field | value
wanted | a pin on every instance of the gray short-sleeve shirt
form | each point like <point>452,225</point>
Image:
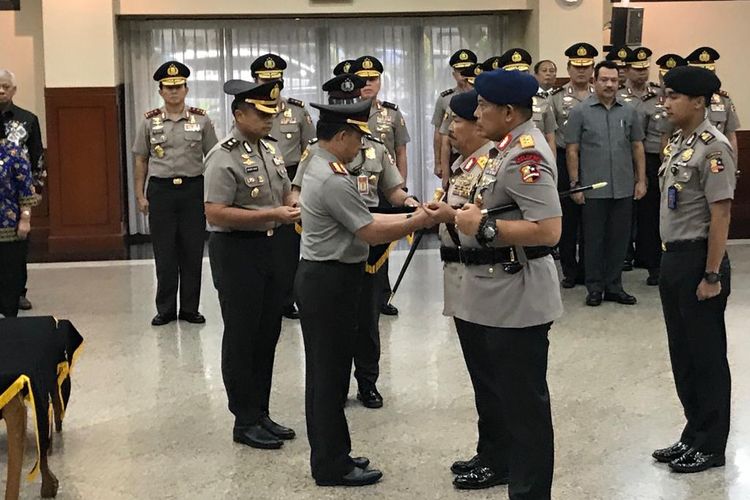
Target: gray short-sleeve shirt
<point>292,128</point>
<point>605,138</point>
<point>332,212</point>
<point>387,124</point>
<point>442,105</point>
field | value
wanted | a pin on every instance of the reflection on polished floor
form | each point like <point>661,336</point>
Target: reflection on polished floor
<point>148,417</point>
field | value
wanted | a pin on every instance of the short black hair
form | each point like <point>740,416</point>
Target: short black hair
<point>525,110</point>
<point>326,131</point>
<point>539,65</point>
<point>604,64</point>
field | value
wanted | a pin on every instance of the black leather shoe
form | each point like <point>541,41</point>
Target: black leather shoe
<point>277,430</point>
<point>389,310</point>
<point>370,397</point>
<point>290,312</point>
<point>627,265</point>
<point>256,436</point>
<point>24,304</point>
<point>357,477</point>
<point>666,455</point>
<point>195,318</point>
<point>594,299</point>
<point>696,461</point>
<point>479,479</point>
<point>361,462</point>
<point>621,297</point>
<point>465,466</point>
<point>568,282</point>
<point>163,319</point>
<point>653,278</point>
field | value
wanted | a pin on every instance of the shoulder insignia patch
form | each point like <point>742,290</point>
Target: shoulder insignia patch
<point>523,158</point>
<point>152,113</point>
<point>714,154</point>
<point>555,91</point>
<point>338,168</point>
<point>197,111</point>
<point>529,173</point>
<point>390,105</point>
<point>723,93</point>
<point>230,144</point>
<point>707,137</point>
<point>446,93</point>
<point>526,141</point>
<point>482,161</point>
<point>717,165</point>
<point>296,102</point>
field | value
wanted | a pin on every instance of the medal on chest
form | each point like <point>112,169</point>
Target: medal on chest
<point>363,184</point>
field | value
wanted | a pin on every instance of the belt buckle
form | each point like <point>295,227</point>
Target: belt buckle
<point>177,181</point>
<point>460,258</point>
<point>269,233</point>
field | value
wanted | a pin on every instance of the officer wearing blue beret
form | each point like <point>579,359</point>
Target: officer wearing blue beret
<point>510,294</point>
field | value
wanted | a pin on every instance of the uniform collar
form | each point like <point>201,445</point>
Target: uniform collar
<point>704,125</point>
<point>326,155</point>
<point>184,116</point>
<point>513,135</point>
<point>594,101</point>
<point>241,137</point>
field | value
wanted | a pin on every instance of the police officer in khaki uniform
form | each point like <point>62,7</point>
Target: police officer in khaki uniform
<point>169,147</point>
<point>667,62</point>
<point>387,124</point>
<point>374,172</point>
<point>247,200</point>
<point>518,59</point>
<point>461,59</point>
<point>619,55</point>
<point>697,182</point>
<point>563,99</point>
<point>338,228</point>
<point>292,129</point>
<point>509,291</point>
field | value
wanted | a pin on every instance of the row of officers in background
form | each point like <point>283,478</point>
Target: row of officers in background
<point>255,201</point>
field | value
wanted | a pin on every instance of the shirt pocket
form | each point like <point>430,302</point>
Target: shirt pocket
<point>193,138</point>
<point>289,131</point>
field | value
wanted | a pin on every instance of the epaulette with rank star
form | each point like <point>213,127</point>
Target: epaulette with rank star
<point>526,141</point>
<point>271,138</point>
<point>197,111</point>
<point>556,90</point>
<point>296,102</point>
<point>338,168</point>
<point>707,137</point>
<point>723,93</point>
<point>390,105</point>
<point>152,113</point>
<point>446,93</point>
<point>312,141</point>
<point>230,144</point>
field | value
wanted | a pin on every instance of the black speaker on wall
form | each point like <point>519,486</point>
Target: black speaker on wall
<point>10,4</point>
<point>627,26</point>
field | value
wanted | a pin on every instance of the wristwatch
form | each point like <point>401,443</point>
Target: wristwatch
<point>711,278</point>
<point>487,231</point>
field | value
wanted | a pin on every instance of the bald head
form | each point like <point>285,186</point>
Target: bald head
<point>7,86</point>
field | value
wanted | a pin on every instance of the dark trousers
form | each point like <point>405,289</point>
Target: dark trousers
<point>384,285</point>
<point>178,227</point>
<point>25,272</point>
<point>606,224</point>
<point>648,240</point>
<point>290,241</point>
<point>327,295</point>
<point>248,274</point>
<point>508,370</point>
<point>367,342</point>
<point>698,348</point>
<point>571,243</point>
<point>12,272</point>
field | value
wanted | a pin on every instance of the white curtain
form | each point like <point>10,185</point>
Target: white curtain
<point>414,52</point>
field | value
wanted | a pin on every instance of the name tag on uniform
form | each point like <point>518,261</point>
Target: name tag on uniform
<point>363,184</point>
<point>192,127</point>
<point>718,107</point>
<point>672,197</point>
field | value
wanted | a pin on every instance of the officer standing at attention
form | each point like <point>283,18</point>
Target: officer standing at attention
<point>169,147</point>
<point>461,59</point>
<point>666,63</point>
<point>387,124</point>
<point>619,55</point>
<point>697,187</point>
<point>292,129</point>
<point>374,172</point>
<point>518,59</point>
<point>509,293</point>
<point>247,200</point>
<point>338,228</point>
<point>563,99</point>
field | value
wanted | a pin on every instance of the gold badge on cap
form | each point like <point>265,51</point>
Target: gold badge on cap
<point>705,56</point>
<point>275,92</point>
<point>269,63</point>
<point>495,64</point>
<point>581,51</point>
<point>478,70</point>
<point>347,67</point>
<point>622,54</point>
<point>172,70</point>
<point>516,57</point>
<point>367,64</point>
<point>463,56</point>
<point>642,56</point>
<point>671,63</point>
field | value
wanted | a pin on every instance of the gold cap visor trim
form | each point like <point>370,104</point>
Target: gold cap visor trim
<point>582,62</point>
<point>641,64</point>
<point>367,73</point>
<point>708,66</point>
<point>516,67</point>
<point>360,125</point>
<point>270,107</point>
<point>270,75</point>
<point>461,65</point>
<point>470,80</point>
<point>173,81</point>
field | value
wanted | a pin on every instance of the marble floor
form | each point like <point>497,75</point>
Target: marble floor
<point>148,417</point>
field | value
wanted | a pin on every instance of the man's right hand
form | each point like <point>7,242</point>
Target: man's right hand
<point>142,205</point>
<point>578,198</point>
<point>287,215</point>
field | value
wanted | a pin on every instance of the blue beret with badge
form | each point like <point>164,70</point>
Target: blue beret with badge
<point>465,104</point>
<point>507,87</point>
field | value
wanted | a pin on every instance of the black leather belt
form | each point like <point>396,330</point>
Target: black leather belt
<point>684,245</point>
<point>250,235</point>
<point>489,256</point>
<point>175,181</point>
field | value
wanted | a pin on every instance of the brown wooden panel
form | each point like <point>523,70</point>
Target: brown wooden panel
<point>741,207</point>
<point>85,181</point>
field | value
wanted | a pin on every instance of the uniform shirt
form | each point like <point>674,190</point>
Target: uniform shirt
<point>246,175</point>
<point>650,107</point>
<point>562,101</point>
<point>22,128</point>
<point>524,172</point>
<point>699,169</point>
<point>15,188</point>
<point>175,148</point>
<point>605,138</point>
<point>293,129</point>
<point>372,170</point>
<point>543,117</point>
<point>722,114</point>
<point>442,106</point>
<point>459,190</point>
<point>332,212</point>
<point>387,124</point>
